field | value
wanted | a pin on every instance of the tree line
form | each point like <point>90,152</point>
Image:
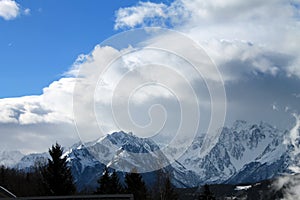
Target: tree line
<point>55,179</point>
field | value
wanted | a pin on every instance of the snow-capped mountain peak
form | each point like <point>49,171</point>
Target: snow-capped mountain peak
<point>244,152</point>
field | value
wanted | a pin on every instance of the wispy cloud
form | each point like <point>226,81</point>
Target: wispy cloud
<point>27,11</point>
<point>133,16</point>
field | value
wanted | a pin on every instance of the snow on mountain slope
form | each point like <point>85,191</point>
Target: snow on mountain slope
<point>236,147</point>
<point>10,158</point>
<point>85,168</point>
<point>118,150</point>
<point>32,160</point>
<point>124,152</point>
<point>246,142</point>
<point>243,153</point>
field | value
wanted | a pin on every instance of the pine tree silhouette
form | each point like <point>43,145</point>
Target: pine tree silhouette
<point>168,190</point>
<point>104,183</point>
<point>57,175</point>
<point>206,194</point>
<point>136,185</point>
<point>109,184</point>
<point>116,187</point>
<point>163,188</point>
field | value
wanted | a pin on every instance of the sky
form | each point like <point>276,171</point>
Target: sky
<point>43,39</point>
<point>52,53</point>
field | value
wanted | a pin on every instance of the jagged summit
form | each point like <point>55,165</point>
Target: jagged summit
<point>132,143</point>
<point>244,152</point>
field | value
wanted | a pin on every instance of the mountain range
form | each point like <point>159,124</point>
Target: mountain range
<point>244,153</point>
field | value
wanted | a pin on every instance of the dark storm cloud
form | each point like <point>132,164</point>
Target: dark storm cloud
<point>36,137</point>
<point>253,99</point>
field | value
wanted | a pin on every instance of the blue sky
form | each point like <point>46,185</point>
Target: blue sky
<point>37,48</point>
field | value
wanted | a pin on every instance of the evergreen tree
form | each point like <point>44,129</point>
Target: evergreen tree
<point>168,190</point>
<point>206,194</point>
<point>104,183</point>
<point>21,183</point>
<point>157,190</point>
<point>116,187</point>
<point>57,175</point>
<point>136,185</point>
<point>163,188</point>
<point>109,184</point>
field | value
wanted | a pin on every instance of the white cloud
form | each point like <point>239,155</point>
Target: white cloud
<point>218,11</point>
<point>293,140</point>
<point>136,15</point>
<point>275,107</point>
<point>289,184</point>
<point>27,11</point>
<point>32,116</point>
<point>206,12</point>
<point>125,85</point>
<point>296,95</point>
<point>234,29</point>
<point>9,9</point>
<point>53,106</point>
<point>252,46</point>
